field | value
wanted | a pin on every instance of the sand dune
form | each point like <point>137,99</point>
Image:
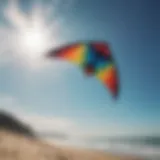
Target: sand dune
<point>18,147</point>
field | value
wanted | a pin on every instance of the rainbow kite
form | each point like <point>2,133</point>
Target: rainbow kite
<point>94,58</point>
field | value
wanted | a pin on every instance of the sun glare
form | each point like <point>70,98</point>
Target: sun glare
<point>33,42</point>
<point>32,34</point>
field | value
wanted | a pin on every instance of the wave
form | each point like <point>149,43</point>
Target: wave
<point>148,150</point>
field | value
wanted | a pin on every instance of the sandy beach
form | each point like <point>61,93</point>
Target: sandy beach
<point>17,147</point>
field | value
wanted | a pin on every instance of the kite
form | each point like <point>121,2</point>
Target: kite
<point>94,58</point>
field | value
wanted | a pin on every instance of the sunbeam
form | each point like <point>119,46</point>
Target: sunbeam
<point>30,35</point>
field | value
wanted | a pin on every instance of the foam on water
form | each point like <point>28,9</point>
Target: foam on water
<point>148,151</point>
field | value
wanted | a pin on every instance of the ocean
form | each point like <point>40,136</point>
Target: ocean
<point>146,147</point>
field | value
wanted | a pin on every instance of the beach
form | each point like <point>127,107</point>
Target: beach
<point>17,147</point>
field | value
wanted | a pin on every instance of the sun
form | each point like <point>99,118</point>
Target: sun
<point>33,42</point>
<point>33,34</point>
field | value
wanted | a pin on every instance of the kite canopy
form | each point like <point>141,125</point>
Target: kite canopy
<point>94,58</point>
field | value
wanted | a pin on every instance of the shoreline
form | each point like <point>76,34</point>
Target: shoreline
<point>142,154</point>
<point>97,154</point>
<point>17,147</point>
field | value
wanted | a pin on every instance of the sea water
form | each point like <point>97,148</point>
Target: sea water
<point>139,147</point>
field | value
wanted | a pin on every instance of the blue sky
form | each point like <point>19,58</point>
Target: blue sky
<point>131,28</point>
